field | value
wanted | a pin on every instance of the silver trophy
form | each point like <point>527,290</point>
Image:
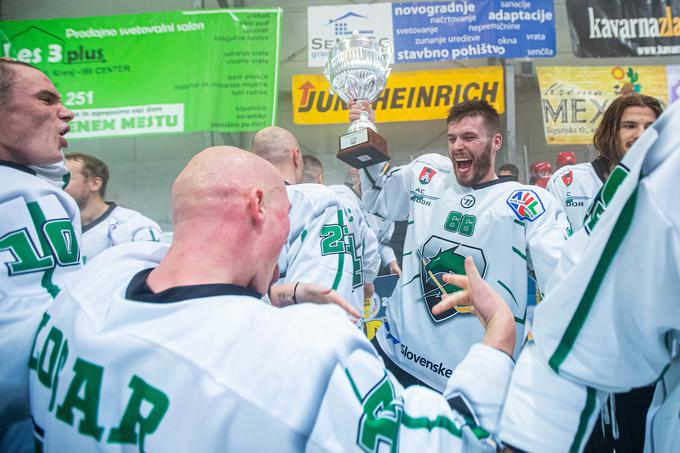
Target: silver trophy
<point>357,69</point>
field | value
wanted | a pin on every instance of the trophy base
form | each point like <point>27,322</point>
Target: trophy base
<point>363,148</point>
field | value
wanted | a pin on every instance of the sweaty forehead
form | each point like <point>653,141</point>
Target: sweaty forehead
<point>32,80</point>
<point>468,124</point>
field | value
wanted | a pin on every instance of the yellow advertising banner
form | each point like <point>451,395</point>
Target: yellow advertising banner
<point>573,98</point>
<point>408,96</point>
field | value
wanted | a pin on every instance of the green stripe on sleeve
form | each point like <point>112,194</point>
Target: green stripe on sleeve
<point>521,255</point>
<point>618,233</point>
<point>505,287</point>
<point>341,257</point>
<point>586,413</point>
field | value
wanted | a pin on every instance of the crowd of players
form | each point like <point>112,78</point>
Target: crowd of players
<point>242,334</point>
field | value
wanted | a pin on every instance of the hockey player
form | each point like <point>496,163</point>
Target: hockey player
<point>39,231</point>
<point>621,427</point>
<point>161,348</point>
<point>611,320</point>
<point>351,192</point>
<point>626,118</point>
<point>328,245</point>
<point>105,224</point>
<point>456,206</point>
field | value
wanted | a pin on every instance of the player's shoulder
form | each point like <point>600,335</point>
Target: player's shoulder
<point>437,162</point>
<point>126,214</point>
<point>109,269</point>
<point>17,177</point>
<point>309,196</point>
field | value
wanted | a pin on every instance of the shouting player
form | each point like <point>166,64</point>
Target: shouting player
<point>456,206</point>
<point>39,230</point>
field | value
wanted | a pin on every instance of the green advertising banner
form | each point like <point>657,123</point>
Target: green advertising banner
<point>182,71</point>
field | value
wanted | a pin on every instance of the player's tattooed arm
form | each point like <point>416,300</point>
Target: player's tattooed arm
<point>287,294</point>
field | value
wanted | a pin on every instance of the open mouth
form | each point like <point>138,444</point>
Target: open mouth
<point>463,164</point>
<point>62,141</point>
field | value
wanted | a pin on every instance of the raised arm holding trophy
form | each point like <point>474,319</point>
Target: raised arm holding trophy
<point>357,70</point>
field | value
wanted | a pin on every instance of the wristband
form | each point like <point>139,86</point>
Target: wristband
<point>294,291</point>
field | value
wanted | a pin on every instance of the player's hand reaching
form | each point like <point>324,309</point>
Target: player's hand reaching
<point>297,293</point>
<point>355,109</point>
<point>487,305</point>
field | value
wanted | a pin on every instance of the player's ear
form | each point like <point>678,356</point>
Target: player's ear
<point>497,141</point>
<point>256,208</point>
<point>94,183</point>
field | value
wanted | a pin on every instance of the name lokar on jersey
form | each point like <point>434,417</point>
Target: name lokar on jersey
<point>84,391</point>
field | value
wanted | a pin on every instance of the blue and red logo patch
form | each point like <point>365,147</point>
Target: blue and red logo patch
<point>426,175</point>
<point>526,205</point>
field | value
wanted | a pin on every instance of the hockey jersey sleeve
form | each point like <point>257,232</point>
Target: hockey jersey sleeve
<point>609,319</point>
<point>370,255</point>
<point>385,192</point>
<point>545,237</point>
<point>135,228</point>
<point>364,407</point>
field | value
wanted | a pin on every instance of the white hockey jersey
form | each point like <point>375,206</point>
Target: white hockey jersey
<point>39,247</point>
<point>611,313</point>
<point>325,243</point>
<point>505,226</point>
<point>207,368</point>
<point>116,226</point>
<point>575,186</point>
<point>370,257</point>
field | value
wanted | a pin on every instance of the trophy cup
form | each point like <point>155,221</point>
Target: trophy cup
<point>357,69</point>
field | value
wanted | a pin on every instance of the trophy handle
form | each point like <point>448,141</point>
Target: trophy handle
<point>388,50</point>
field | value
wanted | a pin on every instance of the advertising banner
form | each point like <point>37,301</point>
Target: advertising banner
<point>673,77</point>
<point>408,96</point>
<point>573,98</point>
<point>439,31</point>
<point>165,72</point>
<point>624,28</point>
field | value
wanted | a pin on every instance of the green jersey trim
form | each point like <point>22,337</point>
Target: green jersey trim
<point>586,413</point>
<point>578,320</point>
<point>521,255</point>
<point>341,257</point>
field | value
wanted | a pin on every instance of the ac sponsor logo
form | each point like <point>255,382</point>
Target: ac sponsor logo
<point>526,205</point>
<point>426,175</point>
<point>576,201</point>
<point>418,359</point>
<point>420,197</point>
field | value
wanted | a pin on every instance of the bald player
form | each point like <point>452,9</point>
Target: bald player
<point>330,243</point>
<point>154,333</point>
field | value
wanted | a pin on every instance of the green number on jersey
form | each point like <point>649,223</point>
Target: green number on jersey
<point>336,239</point>
<point>457,222</point>
<point>62,248</point>
<point>381,419</point>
